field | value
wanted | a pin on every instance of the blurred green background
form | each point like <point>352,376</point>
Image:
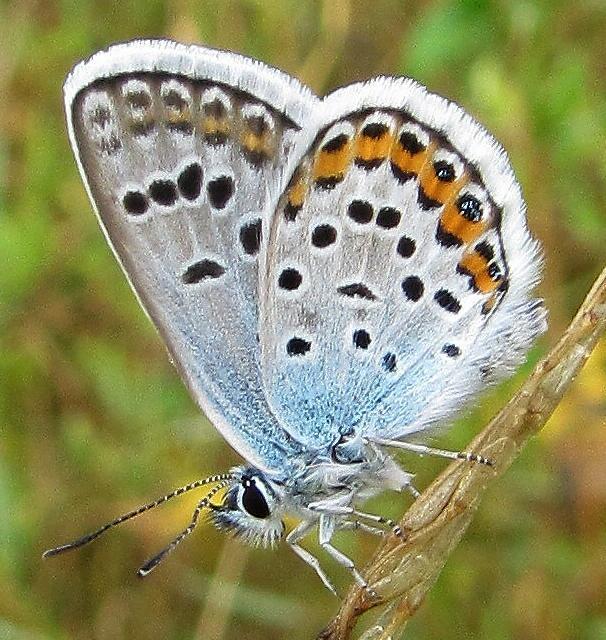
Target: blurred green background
<point>95,421</point>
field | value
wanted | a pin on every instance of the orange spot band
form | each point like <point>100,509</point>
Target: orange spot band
<point>454,223</point>
<point>370,150</point>
<point>211,125</point>
<point>438,190</point>
<point>297,193</point>
<point>476,266</point>
<point>410,163</point>
<point>332,164</point>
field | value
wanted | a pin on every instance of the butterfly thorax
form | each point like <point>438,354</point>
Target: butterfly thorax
<point>357,469</point>
<point>255,504</point>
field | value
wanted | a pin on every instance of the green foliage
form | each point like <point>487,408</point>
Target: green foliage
<point>95,421</point>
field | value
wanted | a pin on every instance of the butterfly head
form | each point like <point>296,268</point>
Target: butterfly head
<point>251,509</point>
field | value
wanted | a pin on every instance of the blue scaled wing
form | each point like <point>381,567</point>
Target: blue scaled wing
<point>399,268</point>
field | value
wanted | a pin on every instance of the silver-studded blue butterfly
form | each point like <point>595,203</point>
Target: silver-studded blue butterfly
<point>331,276</point>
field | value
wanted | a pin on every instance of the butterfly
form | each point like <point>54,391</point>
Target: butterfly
<point>331,277</point>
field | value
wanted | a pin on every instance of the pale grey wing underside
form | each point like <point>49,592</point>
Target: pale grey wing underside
<point>399,268</point>
<point>181,167</point>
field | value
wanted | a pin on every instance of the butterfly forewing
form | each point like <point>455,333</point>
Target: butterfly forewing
<point>181,168</point>
<point>387,262</point>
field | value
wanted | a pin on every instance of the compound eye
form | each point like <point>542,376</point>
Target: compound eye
<point>253,500</point>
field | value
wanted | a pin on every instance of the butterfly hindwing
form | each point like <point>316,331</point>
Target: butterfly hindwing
<point>398,260</point>
<point>180,149</point>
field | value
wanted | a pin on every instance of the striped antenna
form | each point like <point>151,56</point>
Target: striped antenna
<point>80,542</point>
<point>205,503</point>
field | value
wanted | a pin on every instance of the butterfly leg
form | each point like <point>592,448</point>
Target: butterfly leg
<point>354,525</point>
<point>293,538</point>
<point>335,507</point>
<point>423,450</point>
<point>327,528</point>
<point>414,492</point>
<point>395,528</point>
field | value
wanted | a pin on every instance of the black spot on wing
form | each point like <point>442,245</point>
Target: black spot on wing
<point>250,237</point>
<point>447,301</point>
<point>401,176</point>
<point>360,211</point>
<point>335,144</point>
<point>451,350</point>
<point>174,100</point>
<point>375,130</point>
<point>138,99</point>
<point>220,190</point>
<point>290,279</point>
<point>190,181</point>
<point>297,346</point>
<point>202,270</point>
<point>388,218</point>
<point>470,208</point>
<point>257,125</point>
<point>163,192</point>
<point>135,203</point>
<point>411,143</point>
<point>323,236</point>
<point>413,288</point>
<point>178,116</point>
<point>291,211</point>
<point>357,290</point>
<point>389,362</point>
<point>494,271</point>
<point>329,182</point>
<point>485,250</point>
<point>215,109</point>
<point>361,339</point>
<point>444,171</point>
<point>406,247</point>
<point>369,165</point>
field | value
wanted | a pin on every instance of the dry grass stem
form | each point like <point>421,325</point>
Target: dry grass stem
<point>403,572</point>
